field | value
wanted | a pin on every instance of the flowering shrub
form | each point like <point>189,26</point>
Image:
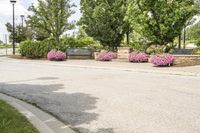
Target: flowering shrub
<point>138,57</point>
<point>56,55</point>
<point>114,55</point>
<point>106,56</point>
<point>162,60</point>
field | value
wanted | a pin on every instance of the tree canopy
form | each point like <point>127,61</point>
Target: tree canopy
<point>21,33</point>
<point>104,20</point>
<point>160,21</point>
<point>50,18</point>
<point>193,32</point>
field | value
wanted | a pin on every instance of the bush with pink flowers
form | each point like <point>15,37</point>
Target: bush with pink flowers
<point>114,55</point>
<point>162,60</point>
<point>106,56</point>
<point>138,57</point>
<point>56,55</point>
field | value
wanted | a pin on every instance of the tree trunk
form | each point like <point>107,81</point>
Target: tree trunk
<point>179,41</point>
<point>184,39</point>
<point>127,37</point>
<point>57,42</point>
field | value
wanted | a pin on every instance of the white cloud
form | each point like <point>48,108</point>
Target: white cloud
<point>35,2</point>
<point>20,8</point>
<point>2,29</point>
<point>6,11</point>
<point>6,8</point>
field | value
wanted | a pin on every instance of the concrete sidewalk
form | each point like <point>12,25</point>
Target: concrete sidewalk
<point>42,121</point>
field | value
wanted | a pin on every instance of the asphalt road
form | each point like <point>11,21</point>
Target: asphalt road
<point>105,100</point>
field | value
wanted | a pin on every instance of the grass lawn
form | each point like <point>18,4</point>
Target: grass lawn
<point>5,46</point>
<point>11,121</point>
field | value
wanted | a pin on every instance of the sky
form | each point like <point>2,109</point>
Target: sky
<point>21,9</point>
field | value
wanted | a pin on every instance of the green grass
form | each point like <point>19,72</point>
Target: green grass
<point>5,46</point>
<point>191,41</point>
<point>11,121</point>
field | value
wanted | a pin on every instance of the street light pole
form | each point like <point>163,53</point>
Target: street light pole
<point>13,3</point>
<point>22,17</point>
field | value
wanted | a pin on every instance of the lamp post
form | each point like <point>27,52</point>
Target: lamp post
<point>22,17</point>
<point>13,3</point>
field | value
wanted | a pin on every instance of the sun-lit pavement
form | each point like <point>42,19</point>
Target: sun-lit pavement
<point>111,100</point>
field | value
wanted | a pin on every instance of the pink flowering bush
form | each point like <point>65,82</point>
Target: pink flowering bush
<point>162,60</point>
<point>138,57</point>
<point>106,56</point>
<point>56,55</point>
<point>114,55</point>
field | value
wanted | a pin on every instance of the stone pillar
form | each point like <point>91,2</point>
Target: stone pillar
<point>123,52</point>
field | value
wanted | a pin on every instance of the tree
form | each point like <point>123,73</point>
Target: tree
<point>104,20</point>
<point>81,33</point>
<point>21,33</point>
<point>160,21</point>
<point>193,32</point>
<point>50,18</point>
<point>1,42</point>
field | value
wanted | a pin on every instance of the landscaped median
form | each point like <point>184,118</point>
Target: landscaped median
<point>156,56</point>
<point>11,121</point>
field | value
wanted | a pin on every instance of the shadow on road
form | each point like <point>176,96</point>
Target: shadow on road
<point>71,108</point>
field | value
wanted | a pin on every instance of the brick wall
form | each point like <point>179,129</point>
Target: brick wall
<point>123,52</point>
<point>189,59</point>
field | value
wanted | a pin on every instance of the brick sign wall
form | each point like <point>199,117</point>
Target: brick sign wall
<point>123,52</point>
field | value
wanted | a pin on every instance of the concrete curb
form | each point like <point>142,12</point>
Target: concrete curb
<point>42,121</point>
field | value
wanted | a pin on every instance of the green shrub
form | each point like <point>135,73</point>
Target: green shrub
<point>158,49</point>
<point>169,48</point>
<point>85,42</point>
<point>198,43</point>
<point>155,49</point>
<point>50,43</point>
<point>35,49</point>
<point>69,42</point>
<point>28,49</point>
<point>139,46</point>
<point>40,49</point>
<point>90,43</point>
<point>196,51</point>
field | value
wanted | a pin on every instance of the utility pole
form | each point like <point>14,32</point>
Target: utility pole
<point>6,41</point>
<point>22,18</point>
<point>13,3</point>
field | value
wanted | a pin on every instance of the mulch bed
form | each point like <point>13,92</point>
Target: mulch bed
<point>24,58</point>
